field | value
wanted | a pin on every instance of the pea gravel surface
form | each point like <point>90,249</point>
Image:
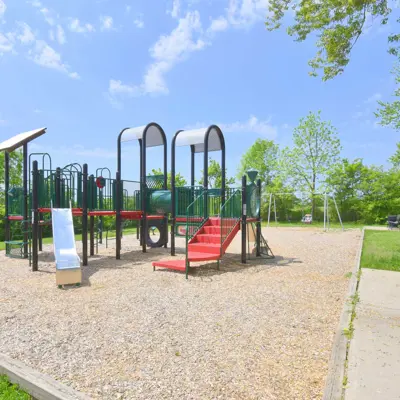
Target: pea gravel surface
<point>263,330</point>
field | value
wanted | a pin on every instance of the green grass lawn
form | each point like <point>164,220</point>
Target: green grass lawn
<point>8,391</point>
<point>381,250</point>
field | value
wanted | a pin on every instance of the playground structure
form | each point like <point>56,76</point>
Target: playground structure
<point>208,218</point>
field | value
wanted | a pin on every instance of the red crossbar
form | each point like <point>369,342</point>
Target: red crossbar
<point>15,218</point>
<point>100,213</point>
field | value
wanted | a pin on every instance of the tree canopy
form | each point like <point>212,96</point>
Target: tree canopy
<point>215,175</point>
<point>179,179</point>
<point>315,152</point>
<point>338,25</point>
<point>262,156</point>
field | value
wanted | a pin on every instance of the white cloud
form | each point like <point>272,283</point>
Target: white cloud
<point>35,3</point>
<point>218,25</point>
<point>6,44</point>
<point>106,22</point>
<point>49,16</point>
<point>117,87</point>
<point>37,111</point>
<point>244,13</point>
<point>27,36</point>
<point>76,26</point>
<point>128,9</point>
<point>3,9</point>
<point>51,35</point>
<point>139,21</point>
<point>61,35</point>
<point>45,56</point>
<point>175,8</point>
<point>374,98</point>
<point>252,125</point>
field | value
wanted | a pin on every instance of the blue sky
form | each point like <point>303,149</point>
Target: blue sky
<point>87,69</point>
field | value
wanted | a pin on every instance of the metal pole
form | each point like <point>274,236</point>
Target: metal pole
<point>91,218</point>
<point>6,189</point>
<point>244,218</point>
<point>258,225</point>
<point>25,185</point>
<point>35,226</point>
<point>143,233</point>
<point>118,216</point>
<point>58,188</point>
<point>325,212</point>
<point>276,220</point>
<point>338,213</point>
<point>269,208</point>
<point>85,214</point>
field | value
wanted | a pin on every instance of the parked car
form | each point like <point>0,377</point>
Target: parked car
<point>307,219</point>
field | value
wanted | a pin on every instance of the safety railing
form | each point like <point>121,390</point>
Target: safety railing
<point>184,196</point>
<point>230,214</point>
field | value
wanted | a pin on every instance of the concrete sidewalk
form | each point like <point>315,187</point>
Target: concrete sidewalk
<point>374,357</point>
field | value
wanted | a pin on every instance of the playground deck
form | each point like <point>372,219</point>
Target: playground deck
<point>262,330</point>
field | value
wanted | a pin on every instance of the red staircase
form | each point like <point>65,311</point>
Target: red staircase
<point>205,245</point>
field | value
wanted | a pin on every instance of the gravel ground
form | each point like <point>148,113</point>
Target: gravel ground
<point>260,331</point>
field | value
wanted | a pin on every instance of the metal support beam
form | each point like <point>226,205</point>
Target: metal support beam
<point>244,218</point>
<point>25,186</point>
<point>35,222</point>
<point>85,214</point>
<point>258,225</point>
<point>118,217</point>
<point>6,189</point>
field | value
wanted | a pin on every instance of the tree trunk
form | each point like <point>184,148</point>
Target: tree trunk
<point>313,197</point>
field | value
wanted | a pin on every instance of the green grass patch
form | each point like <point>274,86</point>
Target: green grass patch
<point>9,391</point>
<point>381,250</point>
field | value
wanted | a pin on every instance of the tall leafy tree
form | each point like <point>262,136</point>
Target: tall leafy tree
<point>395,158</point>
<point>315,151</point>
<point>262,156</point>
<point>338,24</point>
<point>215,175</point>
<point>388,113</point>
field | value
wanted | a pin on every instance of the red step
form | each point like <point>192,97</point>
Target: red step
<point>177,265</point>
<point>204,248</point>
<point>208,238</point>
<point>194,257</point>
<point>213,230</point>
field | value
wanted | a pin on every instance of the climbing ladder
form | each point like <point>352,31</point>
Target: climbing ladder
<point>207,238</point>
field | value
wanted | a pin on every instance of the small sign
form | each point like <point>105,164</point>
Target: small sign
<point>244,209</point>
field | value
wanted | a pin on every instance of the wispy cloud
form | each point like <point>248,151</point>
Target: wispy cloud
<point>76,26</point>
<point>6,43</point>
<point>45,56</point>
<point>176,7</point>
<point>169,50</point>
<point>26,36</point>
<point>374,98</point>
<point>60,35</point>
<point>106,22</point>
<point>186,38</point>
<point>138,21</point>
<point>252,125</point>
<point>3,9</point>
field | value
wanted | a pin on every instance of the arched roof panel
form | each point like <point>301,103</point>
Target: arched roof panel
<point>196,138</point>
<point>154,135</point>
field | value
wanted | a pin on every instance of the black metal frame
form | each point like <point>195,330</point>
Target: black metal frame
<point>143,187</point>
<point>192,173</point>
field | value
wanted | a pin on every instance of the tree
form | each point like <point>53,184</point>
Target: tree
<point>315,152</point>
<point>215,175</point>
<point>395,158</point>
<point>389,112</point>
<point>16,165</point>
<point>179,179</point>
<point>262,156</point>
<point>338,25</point>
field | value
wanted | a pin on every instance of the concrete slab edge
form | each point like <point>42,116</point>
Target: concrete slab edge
<point>336,370</point>
<point>38,385</point>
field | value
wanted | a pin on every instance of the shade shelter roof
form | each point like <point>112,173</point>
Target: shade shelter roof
<point>19,140</point>
<point>198,137</point>
<point>154,135</point>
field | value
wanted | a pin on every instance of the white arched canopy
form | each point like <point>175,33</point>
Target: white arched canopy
<point>197,138</point>
<point>154,135</point>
